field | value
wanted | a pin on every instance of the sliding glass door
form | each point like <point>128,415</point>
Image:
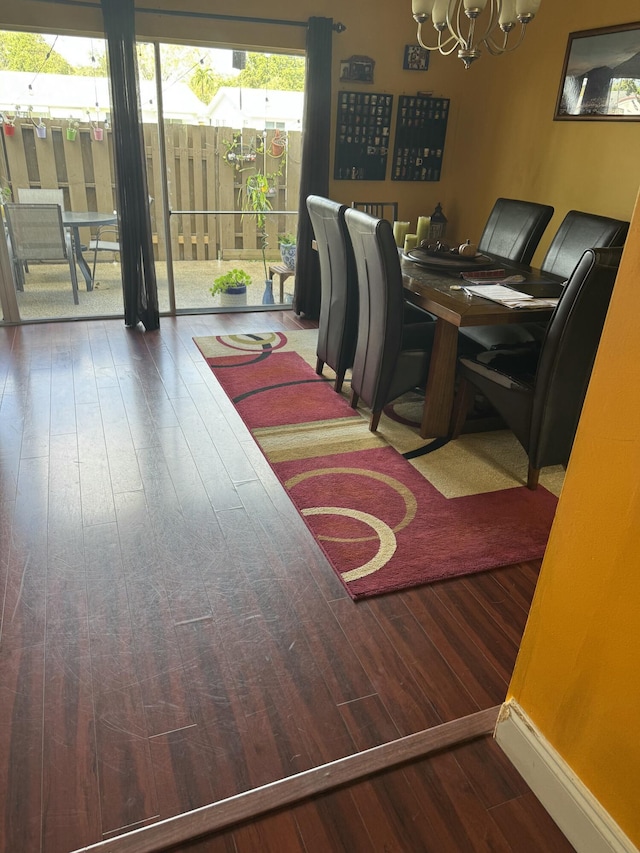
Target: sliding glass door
<point>229,157</point>
<point>222,133</point>
<point>56,147</point>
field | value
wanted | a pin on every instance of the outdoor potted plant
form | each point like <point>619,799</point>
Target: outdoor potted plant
<point>232,287</point>
<point>9,124</point>
<point>256,201</point>
<point>5,195</point>
<point>72,129</point>
<point>287,243</point>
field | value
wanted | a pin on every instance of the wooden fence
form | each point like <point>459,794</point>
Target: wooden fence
<point>207,170</point>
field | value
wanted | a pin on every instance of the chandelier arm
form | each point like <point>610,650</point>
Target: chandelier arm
<point>496,49</point>
<point>440,44</point>
<point>468,43</point>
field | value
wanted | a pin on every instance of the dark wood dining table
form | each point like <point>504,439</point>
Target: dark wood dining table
<point>437,292</point>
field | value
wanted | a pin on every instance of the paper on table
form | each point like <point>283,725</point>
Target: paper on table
<point>507,296</point>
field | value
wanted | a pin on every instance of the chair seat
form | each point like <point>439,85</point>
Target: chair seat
<point>104,246</point>
<point>538,389</point>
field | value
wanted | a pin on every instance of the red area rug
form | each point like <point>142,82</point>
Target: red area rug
<point>379,518</point>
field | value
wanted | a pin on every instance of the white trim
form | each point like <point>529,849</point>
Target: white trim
<point>580,816</point>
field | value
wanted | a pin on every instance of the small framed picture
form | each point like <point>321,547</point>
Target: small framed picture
<point>416,58</point>
<point>357,69</point>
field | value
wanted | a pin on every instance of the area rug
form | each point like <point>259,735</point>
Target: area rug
<point>384,522</point>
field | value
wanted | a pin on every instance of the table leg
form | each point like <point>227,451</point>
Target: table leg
<point>438,402</point>
<point>80,260</point>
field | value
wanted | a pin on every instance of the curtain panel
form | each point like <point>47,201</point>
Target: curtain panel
<point>136,246</point>
<point>314,176</point>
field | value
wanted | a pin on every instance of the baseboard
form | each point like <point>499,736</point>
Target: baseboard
<point>582,819</point>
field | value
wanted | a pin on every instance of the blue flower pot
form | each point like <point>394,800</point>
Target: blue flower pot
<point>288,255</point>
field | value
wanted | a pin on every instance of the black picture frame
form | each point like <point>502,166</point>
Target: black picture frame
<point>601,75</point>
<point>416,58</point>
<point>357,69</point>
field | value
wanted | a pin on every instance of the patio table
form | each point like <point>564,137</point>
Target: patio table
<point>75,220</point>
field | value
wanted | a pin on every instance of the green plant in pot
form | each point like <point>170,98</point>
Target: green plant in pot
<point>287,243</point>
<point>256,202</point>
<point>72,128</point>
<point>232,287</point>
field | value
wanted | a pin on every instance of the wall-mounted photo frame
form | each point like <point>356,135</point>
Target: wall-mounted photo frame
<point>416,58</point>
<point>601,75</point>
<point>357,69</point>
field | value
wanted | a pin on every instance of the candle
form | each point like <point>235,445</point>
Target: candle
<point>422,231</point>
<point>410,242</point>
<point>400,231</point>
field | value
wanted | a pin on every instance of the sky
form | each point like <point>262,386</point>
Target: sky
<point>78,51</point>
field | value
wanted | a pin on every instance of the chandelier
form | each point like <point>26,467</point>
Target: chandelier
<point>465,25</point>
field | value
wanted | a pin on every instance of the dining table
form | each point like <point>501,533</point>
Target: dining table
<point>439,290</point>
<point>77,219</point>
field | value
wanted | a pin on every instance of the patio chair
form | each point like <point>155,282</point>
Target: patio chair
<point>27,195</point>
<point>106,240</point>
<point>36,233</point>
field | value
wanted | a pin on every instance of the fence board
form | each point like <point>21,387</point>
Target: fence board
<point>200,178</point>
<point>225,173</point>
<point>197,158</point>
<point>46,161</point>
<point>17,161</point>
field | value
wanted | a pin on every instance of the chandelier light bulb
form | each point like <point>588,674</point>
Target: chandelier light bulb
<point>507,19</point>
<point>439,14</point>
<point>422,9</point>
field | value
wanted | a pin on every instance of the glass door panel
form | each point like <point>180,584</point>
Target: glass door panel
<point>57,148</point>
<point>232,157</point>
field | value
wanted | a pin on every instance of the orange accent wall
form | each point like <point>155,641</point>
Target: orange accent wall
<point>576,676</point>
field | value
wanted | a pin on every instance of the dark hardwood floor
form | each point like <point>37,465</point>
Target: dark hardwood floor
<point>172,635</point>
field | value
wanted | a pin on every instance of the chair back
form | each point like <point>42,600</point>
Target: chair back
<point>578,232</point>
<point>514,229</point>
<point>381,295</point>
<point>379,209</point>
<point>36,196</point>
<point>36,232</point>
<point>338,320</point>
<point>567,356</point>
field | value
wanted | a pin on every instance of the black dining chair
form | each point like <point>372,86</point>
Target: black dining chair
<point>379,209</point>
<point>338,320</point>
<point>539,389</point>
<point>394,342</point>
<point>514,229</point>
<point>577,232</point>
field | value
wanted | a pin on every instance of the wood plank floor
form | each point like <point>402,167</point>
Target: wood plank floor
<point>171,634</point>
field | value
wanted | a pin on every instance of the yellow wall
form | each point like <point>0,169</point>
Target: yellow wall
<point>501,138</point>
<point>577,673</point>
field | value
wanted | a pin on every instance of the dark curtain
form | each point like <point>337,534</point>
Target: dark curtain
<point>314,176</point>
<point>136,247</point>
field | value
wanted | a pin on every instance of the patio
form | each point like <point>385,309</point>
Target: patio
<point>47,293</point>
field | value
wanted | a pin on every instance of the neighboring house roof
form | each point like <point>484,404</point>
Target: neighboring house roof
<point>62,96</point>
<point>237,107</point>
